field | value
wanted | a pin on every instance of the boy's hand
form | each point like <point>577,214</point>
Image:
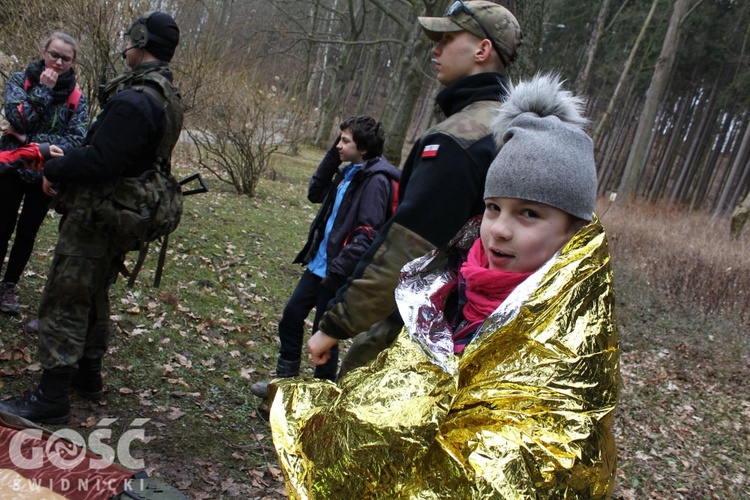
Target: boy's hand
<point>55,151</point>
<point>320,347</point>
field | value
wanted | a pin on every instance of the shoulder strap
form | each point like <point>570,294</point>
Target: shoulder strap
<point>162,89</point>
<point>159,87</point>
<point>394,198</point>
<point>73,98</point>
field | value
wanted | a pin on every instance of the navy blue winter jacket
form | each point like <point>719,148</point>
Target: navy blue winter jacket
<point>364,210</point>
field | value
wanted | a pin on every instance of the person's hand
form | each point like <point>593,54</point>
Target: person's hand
<point>55,151</point>
<point>48,78</point>
<point>47,186</point>
<point>320,347</point>
<point>9,130</point>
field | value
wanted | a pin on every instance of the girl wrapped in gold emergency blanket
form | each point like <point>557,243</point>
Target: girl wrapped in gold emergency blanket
<point>525,410</point>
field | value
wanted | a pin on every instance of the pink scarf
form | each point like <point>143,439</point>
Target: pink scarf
<point>486,288</point>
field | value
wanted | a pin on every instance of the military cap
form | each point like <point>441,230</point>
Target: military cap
<point>480,18</point>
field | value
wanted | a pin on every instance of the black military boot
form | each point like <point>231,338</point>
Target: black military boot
<point>284,369</point>
<point>48,403</point>
<point>87,380</point>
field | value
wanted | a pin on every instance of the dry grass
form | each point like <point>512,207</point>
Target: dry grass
<point>688,257</point>
<point>683,420</point>
<point>184,356</point>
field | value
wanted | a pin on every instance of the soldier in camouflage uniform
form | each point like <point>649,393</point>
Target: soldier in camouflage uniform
<point>442,183</point>
<point>122,143</point>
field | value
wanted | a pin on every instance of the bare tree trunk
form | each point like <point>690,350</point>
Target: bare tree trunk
<point>407,77</point>
<point>403,95</point>
<point>611,153</point>
<point>701,124</point>
<point>370,79</point>
<point>670,158</point>
<point>530,16</point>
<point>625,73</point>
<point>739,217</point>
<point>582,80</point>
<point>740,161</point>
<point>654,94</point>
<point>343,69</point>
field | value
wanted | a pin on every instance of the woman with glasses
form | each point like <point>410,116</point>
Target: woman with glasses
<point>42,104</point>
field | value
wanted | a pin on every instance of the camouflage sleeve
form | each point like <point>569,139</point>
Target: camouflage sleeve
<point>369,298</point>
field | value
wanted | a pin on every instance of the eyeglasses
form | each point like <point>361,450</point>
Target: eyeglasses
<point>55,56</point>
<point>457,6</point>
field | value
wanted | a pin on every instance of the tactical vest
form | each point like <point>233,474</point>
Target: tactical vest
<point>157,85</point>
<point>147,207</point>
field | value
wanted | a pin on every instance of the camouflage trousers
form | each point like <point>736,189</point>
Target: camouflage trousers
<point>74,309</point>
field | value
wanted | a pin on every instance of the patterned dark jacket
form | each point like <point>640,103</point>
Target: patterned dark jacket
<point>43,116</point>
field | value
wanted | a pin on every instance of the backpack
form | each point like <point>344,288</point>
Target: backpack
<point>73,98</point>
<point>394,198</point>
<point>146,207</point>
<point>390,210</point>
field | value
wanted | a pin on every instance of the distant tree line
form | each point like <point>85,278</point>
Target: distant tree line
<point>666,80</point>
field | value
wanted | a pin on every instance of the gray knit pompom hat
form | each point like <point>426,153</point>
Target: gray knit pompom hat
<point>545,154</point>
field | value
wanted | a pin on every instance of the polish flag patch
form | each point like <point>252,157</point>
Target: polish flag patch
<point>430,151</point>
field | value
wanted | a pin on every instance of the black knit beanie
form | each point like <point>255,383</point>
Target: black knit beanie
<point>163,34</point>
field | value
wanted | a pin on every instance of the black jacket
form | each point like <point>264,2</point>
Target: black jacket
<point>122,141</point>
<point>441,188</point>
<point>363,211</point>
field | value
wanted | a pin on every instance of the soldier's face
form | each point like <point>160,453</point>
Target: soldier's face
<point>454,56</point>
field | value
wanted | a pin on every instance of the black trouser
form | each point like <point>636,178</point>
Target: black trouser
<point>306,295</point>
<point>13,191</point>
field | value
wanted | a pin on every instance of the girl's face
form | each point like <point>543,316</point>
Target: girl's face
<point>520,235</point>
<point>58,56</point>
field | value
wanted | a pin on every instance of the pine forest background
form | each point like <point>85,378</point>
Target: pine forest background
<point>666,80</point>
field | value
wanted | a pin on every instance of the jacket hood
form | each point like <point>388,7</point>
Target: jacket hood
<point>380,165</point>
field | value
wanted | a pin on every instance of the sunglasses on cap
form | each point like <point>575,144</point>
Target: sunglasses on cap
<point>459,6</point>
<point>55,56</point>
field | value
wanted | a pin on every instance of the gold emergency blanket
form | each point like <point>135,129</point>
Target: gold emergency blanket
<point>525,412</point>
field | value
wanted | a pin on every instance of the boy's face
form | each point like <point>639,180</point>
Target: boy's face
<point>454,56</point>
<point>520,235</point>
<point>348,151</point>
